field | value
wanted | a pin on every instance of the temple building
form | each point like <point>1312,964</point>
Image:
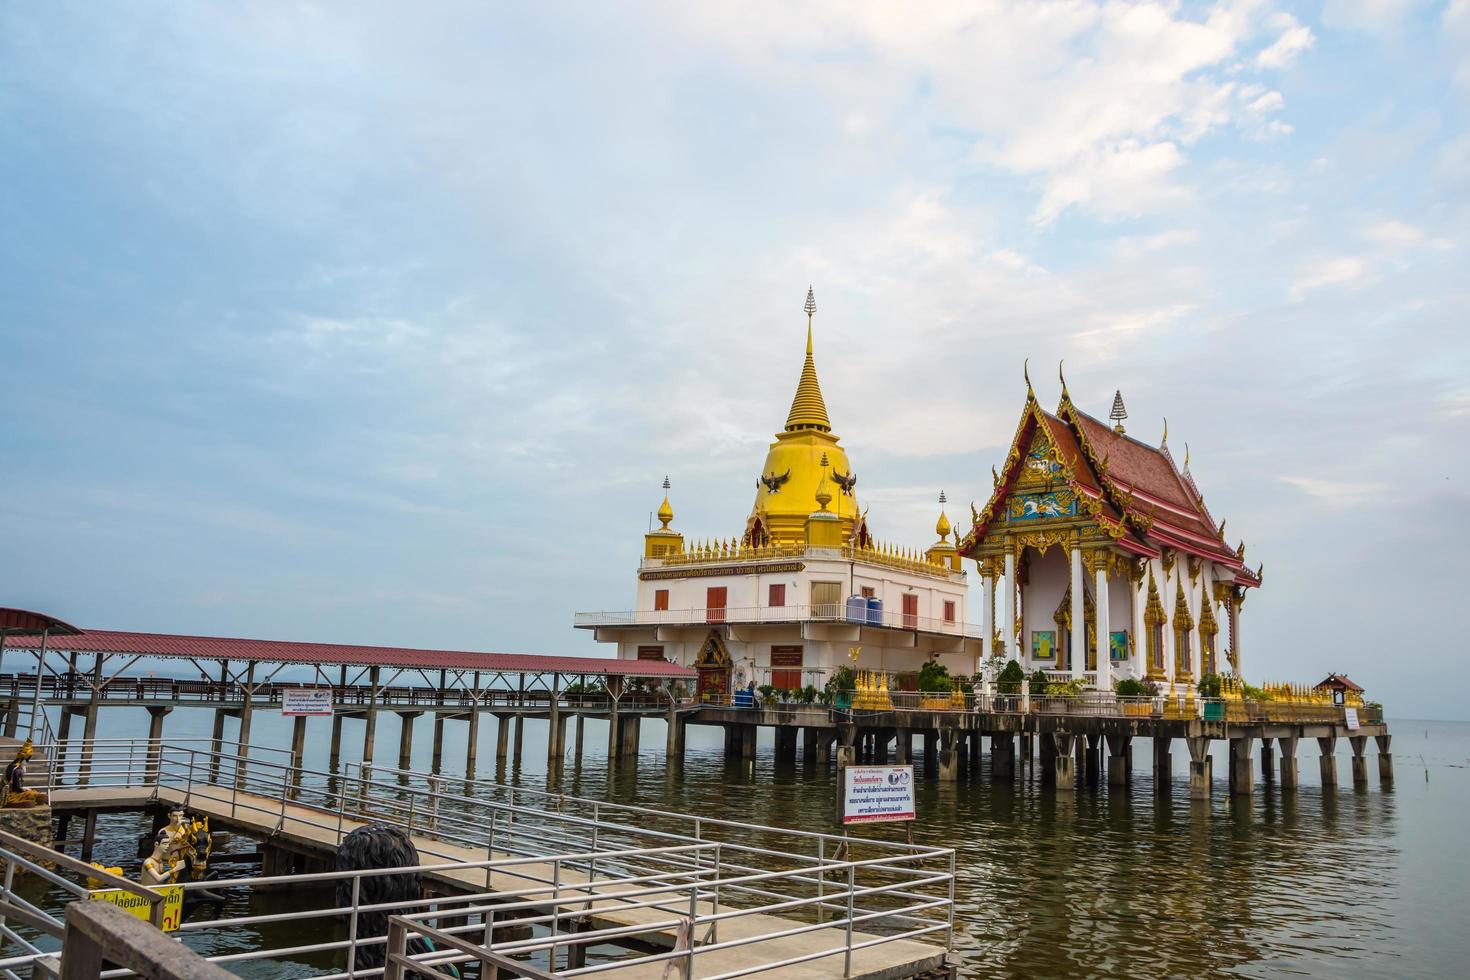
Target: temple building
<point>803,587</point>
<point>1109,565</point>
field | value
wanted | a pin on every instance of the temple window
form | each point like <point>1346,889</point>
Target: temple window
<point>949,610</point>
<point>1182,653</point>
<point>714,604</point>
<point>1156,647</point>
<point>660,600</point>
<point>786,667</point>
<point>777,595</point>
<point>910,611</point>
<point>826,599</point>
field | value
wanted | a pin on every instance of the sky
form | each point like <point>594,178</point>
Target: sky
<point>383,323</point>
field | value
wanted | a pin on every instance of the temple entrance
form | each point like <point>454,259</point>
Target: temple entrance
<point>713,665</point>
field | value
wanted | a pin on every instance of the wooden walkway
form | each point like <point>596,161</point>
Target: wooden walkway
<point>317,831</point>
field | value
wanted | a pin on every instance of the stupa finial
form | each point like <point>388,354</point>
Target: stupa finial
<point>1119,413</point>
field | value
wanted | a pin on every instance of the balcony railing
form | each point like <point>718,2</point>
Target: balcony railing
<point>733,552</point>
<point>835,612</point>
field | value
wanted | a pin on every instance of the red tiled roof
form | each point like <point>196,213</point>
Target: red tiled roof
<point>23,622</point>
<point>1339,680</point>
<point>289,652</point>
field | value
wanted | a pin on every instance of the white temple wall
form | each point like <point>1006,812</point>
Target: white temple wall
<point>1045,586</point>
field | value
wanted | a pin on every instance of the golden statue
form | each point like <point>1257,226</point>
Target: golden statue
<point>13,791</point>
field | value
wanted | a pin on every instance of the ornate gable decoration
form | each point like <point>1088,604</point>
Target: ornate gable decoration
<point>712,654</point>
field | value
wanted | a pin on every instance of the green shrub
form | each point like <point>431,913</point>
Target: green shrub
<point>1209,686</point>
<point>1252,693</point>
<point>844,678</point>
<point>1065,689</point>
<point>809,694</point>
<point>1038,682</point>
<point>1009,681</point>
<point>1130,688</point>
<point>934,678</point>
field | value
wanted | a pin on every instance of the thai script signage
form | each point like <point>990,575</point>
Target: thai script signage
<point>306,701</point>
<point>696,571</point>
<point>875,794</point>
<point>1350,715</point>
<point>137,905</point>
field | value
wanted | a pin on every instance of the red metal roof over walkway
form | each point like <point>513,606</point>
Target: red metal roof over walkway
<point>289,652</point>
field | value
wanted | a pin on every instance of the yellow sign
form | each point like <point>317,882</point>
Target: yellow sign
<point>173,903</point>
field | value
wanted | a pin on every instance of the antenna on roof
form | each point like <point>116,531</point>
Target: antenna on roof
<point>1119,413</point>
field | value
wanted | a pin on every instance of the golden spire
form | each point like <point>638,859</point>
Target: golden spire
<point>665,512</point>
<point>942,527</point>
<point>808,410</point>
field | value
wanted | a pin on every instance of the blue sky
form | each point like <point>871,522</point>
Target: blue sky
<point>366,324</point>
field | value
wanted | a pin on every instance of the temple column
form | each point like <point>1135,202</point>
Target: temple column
<point>1163,764</point>
<point>1360,761</point>
<point>1008,627</point>
<point>1062,762</point>
<point>1104,654</point>
<point>1200,774</point>
<point>987,608</point>
<point>1138,599</point>
<point>1166,597</point>
<point>1077,635</point>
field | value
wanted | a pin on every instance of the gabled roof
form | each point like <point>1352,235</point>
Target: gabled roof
<point>1339,680</point>
<point>1133,491</point>
<point>339,654</point>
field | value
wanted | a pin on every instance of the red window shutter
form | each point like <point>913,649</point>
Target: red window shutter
<point>949,610</point>
<point>786,667</point>
<point>714,604</point>
<point>661,600</point>
<point>778,595</point>
<point>910,612</point>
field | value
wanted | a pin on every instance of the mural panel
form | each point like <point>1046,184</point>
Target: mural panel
<point>1043,644</point>
<point>1041,506</point>
<point>1118,645</point>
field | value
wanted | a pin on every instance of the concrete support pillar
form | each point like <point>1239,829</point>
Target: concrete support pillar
<point>217,741</point>
<point>1242,774</point>
<point>1047,752</point>
<point>1027,753</point>
<point>1385,759</point>
<point>520,740</point>
<point>472,738</point>
<point>1268,765</point>
<point>1002,756</point>
<point>674,738</point>
<point>1063,763</point>
<point>502,738</point>
<point>1200,774</point>
<point>1288,762</point>
<point>1328,762</point>
<point>298,744</point>
<point>1163,763</point>
<point>630,731</point>
<point>786,745</point>
<point>405,738</point>
<point>370,719</point>
<point>12,719</point>
<point>880,747</point>
<point>949,761</point>
<point>1094,759</point>
<point>334,752</point>
<point>89,731</point>
<point>556,739</point>
<point>1360,761</point>
<point>809,737</point>
<point>436,756</point>
<point>846,747</point>
<point>931,753</point>
<point>247,713</point>
<point>155,739</point>
<point>903,747</point>
<point>578,738</point>
<point>977,743</point>
<point>748,742</point>
<point>824,748</point>
<point>1120,747</point>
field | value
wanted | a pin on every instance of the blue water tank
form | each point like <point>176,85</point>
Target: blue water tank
<point>857,609</point>
<point>875,611</point>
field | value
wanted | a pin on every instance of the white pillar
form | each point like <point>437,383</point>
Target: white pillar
<point>987,611</point>
<point>1166,596</point>
<point>1140,636</point>
<point>1078,638</point>
<point>1104,653</point>
<point>1008,628</point>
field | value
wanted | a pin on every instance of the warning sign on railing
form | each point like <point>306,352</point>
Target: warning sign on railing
<point>306,701</point>
<point>173,903</point>
<point>875,794</point>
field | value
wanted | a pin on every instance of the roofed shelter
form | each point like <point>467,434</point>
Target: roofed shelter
<point>37,628</point>
<point>1110,563</point>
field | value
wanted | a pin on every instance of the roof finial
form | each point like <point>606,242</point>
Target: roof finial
<point>665,512</point>
<point>808,411</point>
<point>1119,413</point>
<point>811,308</point>
<point>1164,440</point>
<point>942,527</point>
<point>1065,396</point>
<point>1026,373</point>
<point>1186,457</point>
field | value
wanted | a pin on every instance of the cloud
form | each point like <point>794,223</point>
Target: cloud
<point>1339,494</point>
<point>1343,270</point>
<point>1295,38</point>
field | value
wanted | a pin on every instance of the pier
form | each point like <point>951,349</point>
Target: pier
<point>514,874</point>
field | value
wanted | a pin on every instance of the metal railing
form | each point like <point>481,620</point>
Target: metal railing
<point>551,854</point>
<point>827,612</point>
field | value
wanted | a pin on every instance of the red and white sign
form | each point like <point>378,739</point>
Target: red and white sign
<point>876,794</point>
<point>306,701</point>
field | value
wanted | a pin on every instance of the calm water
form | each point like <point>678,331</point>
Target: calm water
<point>1319,883</point>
